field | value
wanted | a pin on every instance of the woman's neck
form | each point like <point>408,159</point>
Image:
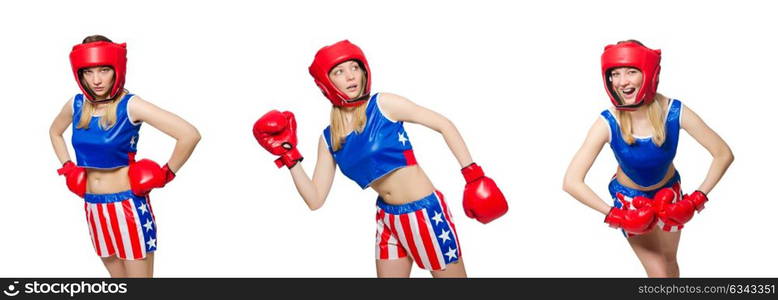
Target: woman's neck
<point>640,113</point>
<point>105,99</point>
<point>349,109</point>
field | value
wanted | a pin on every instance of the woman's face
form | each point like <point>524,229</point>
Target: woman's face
<point>348,77</point>
<point>99,80</point>
<point>626,81</point>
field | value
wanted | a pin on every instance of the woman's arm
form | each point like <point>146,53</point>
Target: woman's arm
<point>582,161</point>
<point>58,126</point>
<point>398,108</point>
<point>314,192</point>
<point>185,134</point>
<point>482,199</point>
<point>718,148</point>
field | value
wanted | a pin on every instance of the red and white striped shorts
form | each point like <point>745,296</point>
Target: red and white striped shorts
<point>121,224</point>
<point>423,228</point>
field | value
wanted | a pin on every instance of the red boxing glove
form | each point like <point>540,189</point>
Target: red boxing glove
<point>638,221</point>
<point>672,213</point>
<point>277,133</point>
<point>146,175</point>
<point>698,198</point>
<point>482,199</point>
<point>75,177</point>
<point>679,212</point>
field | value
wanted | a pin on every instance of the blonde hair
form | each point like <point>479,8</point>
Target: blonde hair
<point>656,115</point>
<point>107,119</point>
<point>338,124</point>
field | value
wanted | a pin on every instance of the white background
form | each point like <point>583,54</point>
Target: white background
<point>520,81</point>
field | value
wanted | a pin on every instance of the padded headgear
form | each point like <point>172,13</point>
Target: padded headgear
<point>97,54</point>
<point>330,56</point>
<point>635,55</point>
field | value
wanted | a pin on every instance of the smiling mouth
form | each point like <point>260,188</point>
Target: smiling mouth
<point>628,93</point>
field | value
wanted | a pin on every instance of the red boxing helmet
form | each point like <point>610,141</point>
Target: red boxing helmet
<point>632,54</point>
<point>330,56</point>
<point>97,54</point>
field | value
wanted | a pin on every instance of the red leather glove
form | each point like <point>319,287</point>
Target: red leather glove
<point>75,178</point>
<point>638,221</point>
<point>146,175</point>
<point>277,133</point>
<point>681,211</point>
<point>482,199</point>
<point>698,198</point>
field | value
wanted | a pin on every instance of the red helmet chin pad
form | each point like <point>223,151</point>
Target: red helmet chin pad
<point>632,54</point>
<point>97,54</point>
<point>330,56</point>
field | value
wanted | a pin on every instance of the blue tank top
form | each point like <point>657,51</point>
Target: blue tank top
<point>105,149</point>
<point>644,162</point>
<point>381,148</point>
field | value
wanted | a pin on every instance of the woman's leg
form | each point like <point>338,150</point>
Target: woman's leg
<point>115,266</point>
<point>657,252</point>
<point>394,268</point>
<point>670,241</point>
<point>453,270</point>
<point>140,267</point>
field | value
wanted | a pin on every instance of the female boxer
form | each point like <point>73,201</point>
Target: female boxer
<point>367,140</point>
<point>642,129</point>
<point>105,121</point>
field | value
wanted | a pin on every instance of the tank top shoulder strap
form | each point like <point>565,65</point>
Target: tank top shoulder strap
<point>673,122</point>
<point>674,111</point>
<point>615,131</point>
<point>78,103</point>
<point>121,109</point>
<point>328,138</point>
<point>372,107</point>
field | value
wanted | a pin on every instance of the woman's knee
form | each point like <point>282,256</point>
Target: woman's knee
<point>670,259</point>
<point>665,267</point>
